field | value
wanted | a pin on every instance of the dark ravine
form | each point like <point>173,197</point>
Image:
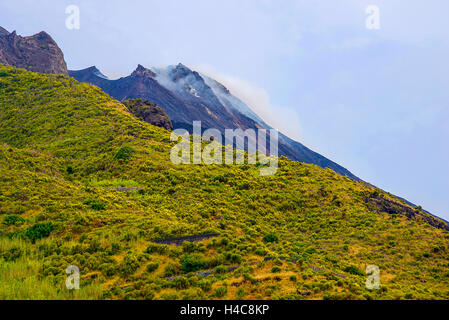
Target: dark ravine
<point>180,240</point>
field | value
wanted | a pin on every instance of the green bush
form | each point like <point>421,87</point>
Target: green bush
<point>354,270</point>
<point>13,219</point>
<point>12,254</point>
<point>129,265</point>
<point>205,285</point>
<point>156,248</point>
<point>276,269</point>
<point>271,237</point>
<point>408,296</point>
<point>221,292</point>
<point>233,257</point>
<point>39,230</point>
<point>125,153</point>
<point>220,270</point>
<point>193,262</point>
<point>188,247</point>
<point>98,205</point>
<point>181,283</point>
<point>170,270</point>
<point>240,293</point>
<point>152,267</point>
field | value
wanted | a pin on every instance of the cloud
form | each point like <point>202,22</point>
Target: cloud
<point>284,119</point>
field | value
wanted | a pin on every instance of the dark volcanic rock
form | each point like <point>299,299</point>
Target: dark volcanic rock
<point>141,71</point>
<point>38,53</point>
<point>141,84</point>
<point>376,202</point>
<point>91,74</point>
<point>149,112</point>
<point>3,31</point>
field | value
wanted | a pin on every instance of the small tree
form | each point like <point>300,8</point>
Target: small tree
<point>271,237</point>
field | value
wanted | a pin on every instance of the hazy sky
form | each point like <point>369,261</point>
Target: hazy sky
<point>375,101</point>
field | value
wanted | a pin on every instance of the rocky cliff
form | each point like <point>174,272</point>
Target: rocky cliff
<point>149,112</point>
<point>38,53</point>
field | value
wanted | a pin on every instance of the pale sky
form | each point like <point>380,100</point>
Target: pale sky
<point>374,101</point>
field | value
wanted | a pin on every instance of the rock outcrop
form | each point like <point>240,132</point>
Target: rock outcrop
<point>37,53</point>
<point>149,112</point>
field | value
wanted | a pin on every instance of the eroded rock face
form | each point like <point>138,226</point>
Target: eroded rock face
<point>376,202</point>
<point>37,53</point>
<point>149,112</point>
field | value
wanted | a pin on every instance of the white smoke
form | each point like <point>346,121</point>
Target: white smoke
<point>284,119</point>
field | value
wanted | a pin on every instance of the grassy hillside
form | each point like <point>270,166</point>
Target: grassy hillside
<point>84,182</point>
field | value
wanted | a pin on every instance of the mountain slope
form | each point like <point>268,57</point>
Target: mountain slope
<point>84,182</point>
<point>187,96</point>
<point>38,53</point>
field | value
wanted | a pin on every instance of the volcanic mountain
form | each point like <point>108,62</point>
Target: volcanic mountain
<point>187,96</point>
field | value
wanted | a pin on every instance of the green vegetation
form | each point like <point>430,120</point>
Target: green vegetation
<point>354,270</point>
<point>271,237</point>
<point>39,230</point>
<point>125,153</point>
<point>52,217</point>
<point>13,219</point>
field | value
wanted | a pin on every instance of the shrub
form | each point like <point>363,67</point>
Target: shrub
<point>152,267</point>
<point>205,285</point>
<point>125,153</point>
<point>240,293</point>
<point>181,283</point>
<point>129,265</point>
<point>193,294</point>
<point>39,230</point>
<point>408,296</point>
<point>193,262</point>
<point>170,270</point>
<point>13,219</point>
<point>276,269</point>
<point>233,257</point>
<point>271,237</point>
<point>12,254</point>
<point>188,247</point>
<point>108,269</point>
<point>70,170</point>
<point>221,292</point>
<point>156,248</point>
<point>220,270</point>
<point>98,205</point>
<point>354,270</point>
